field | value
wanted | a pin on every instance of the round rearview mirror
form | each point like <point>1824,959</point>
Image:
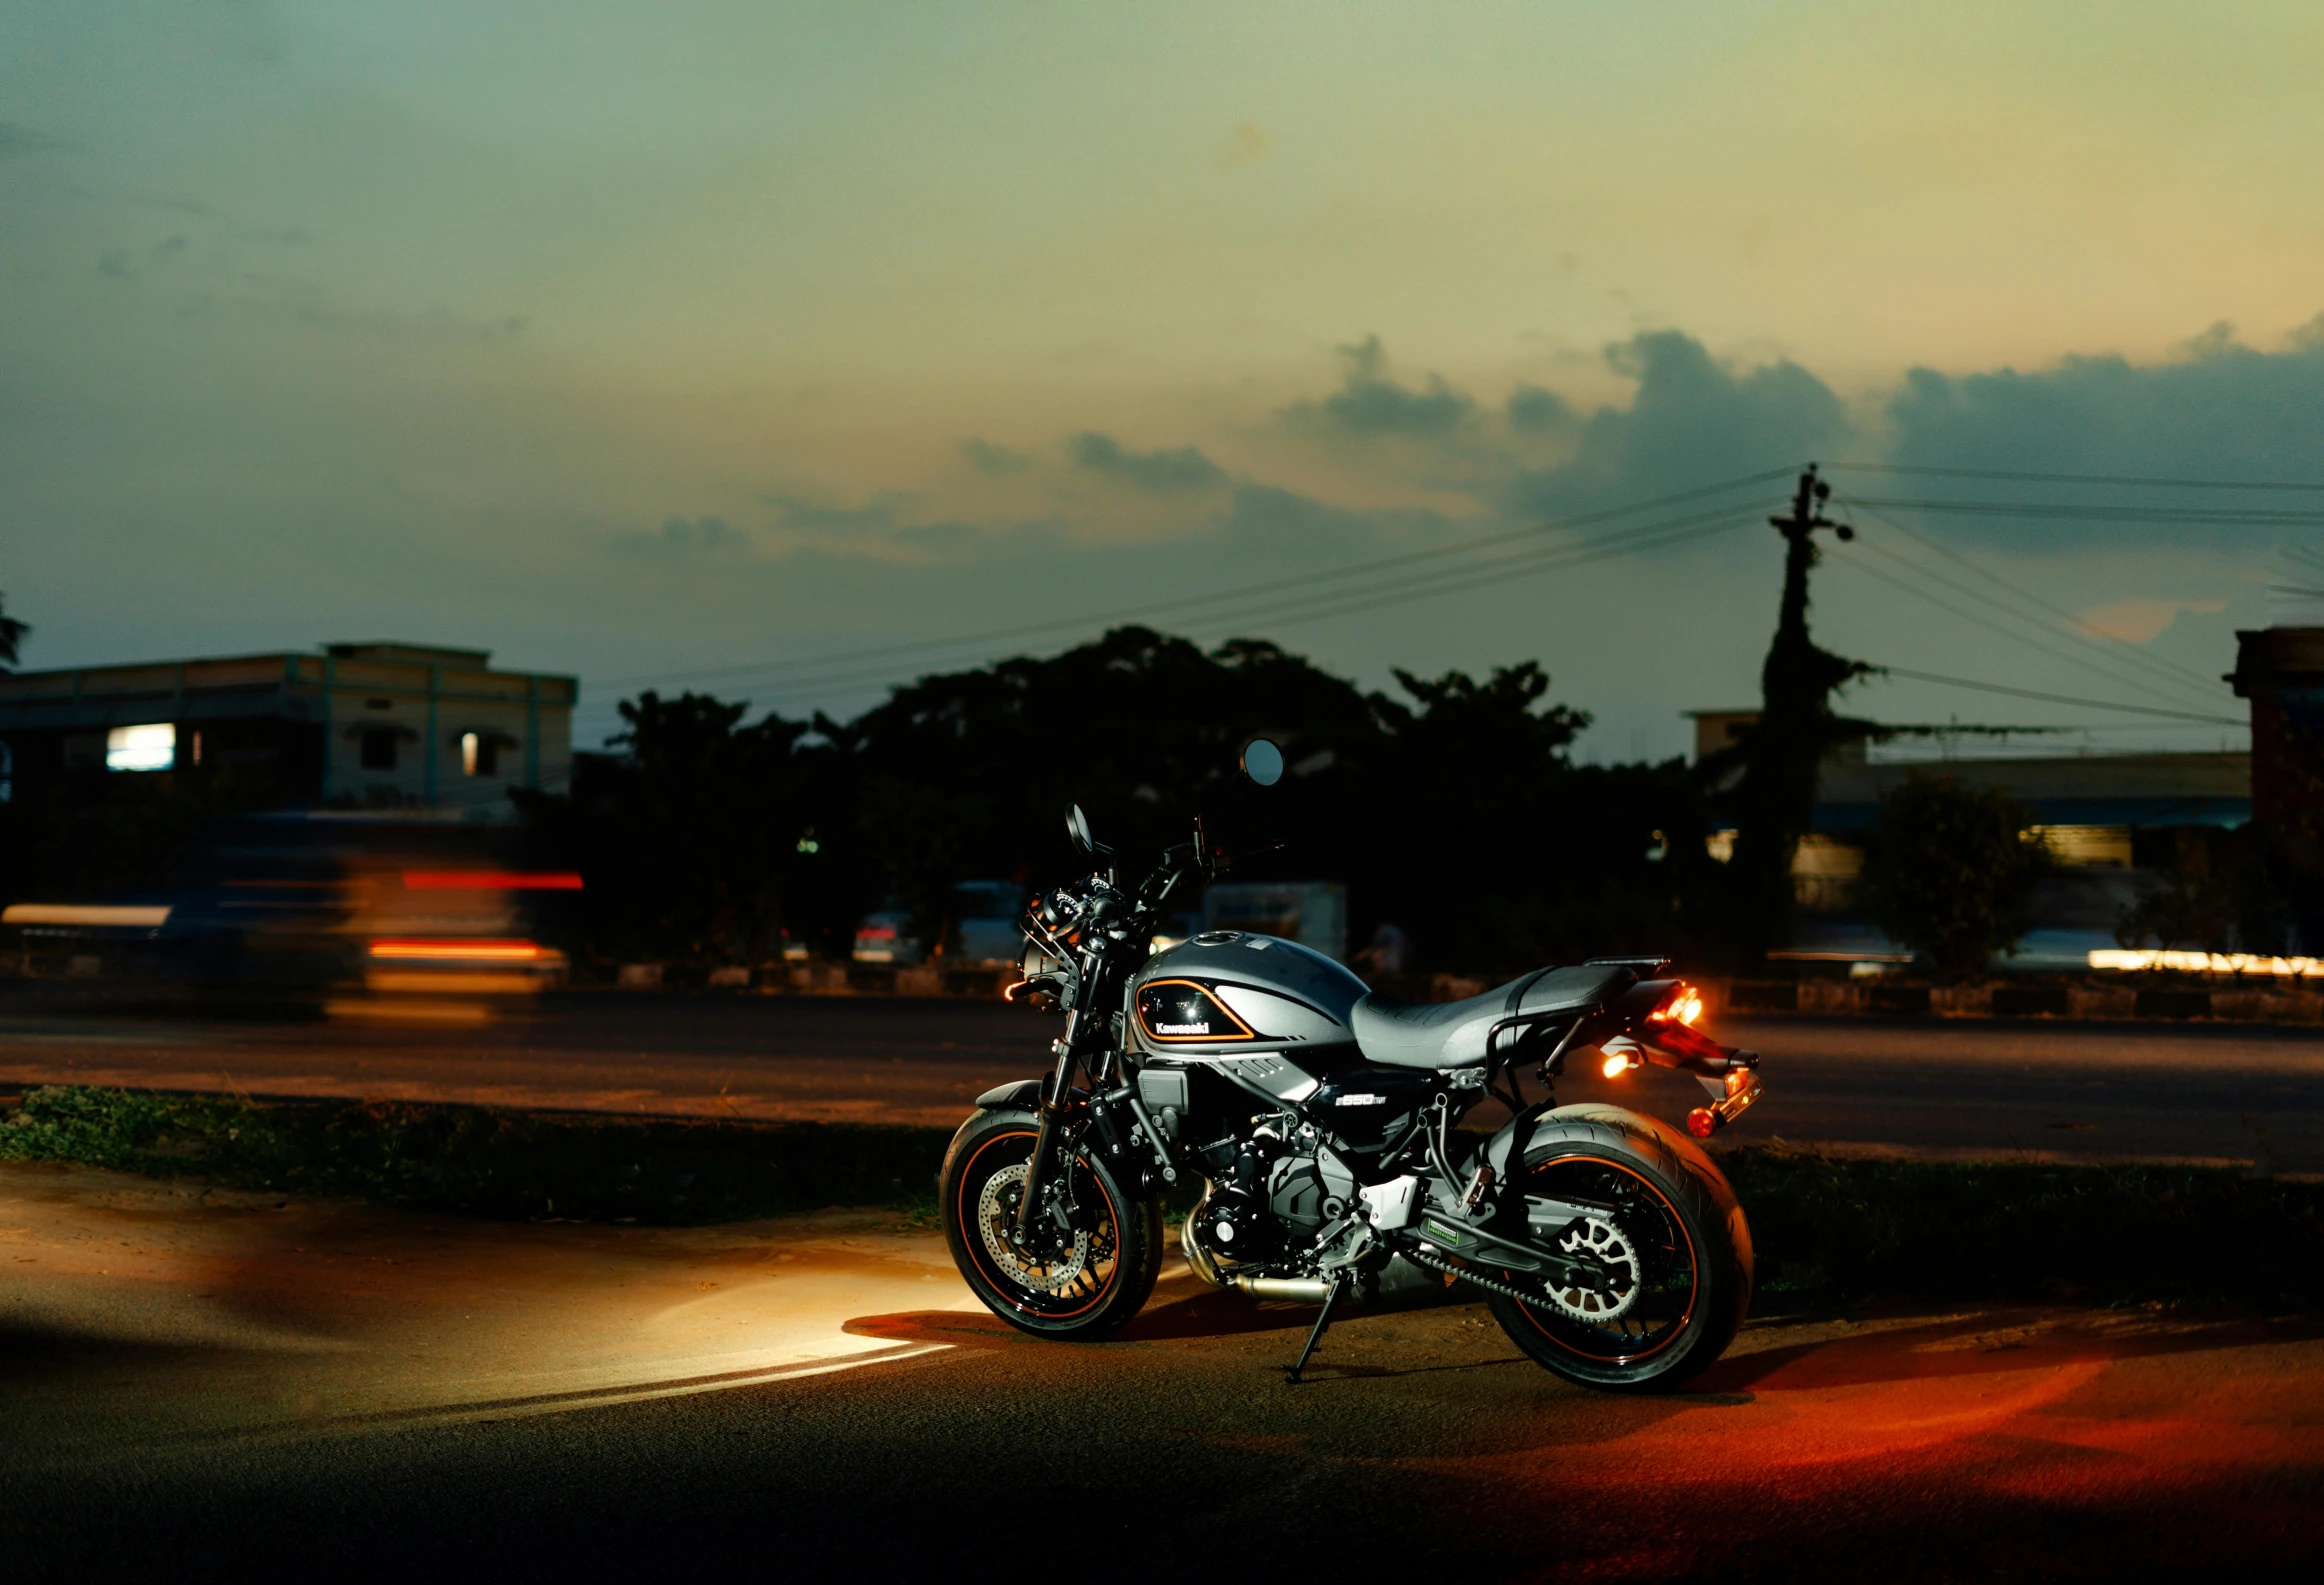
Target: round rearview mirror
<point>1263,761</point>
<point>1077,827</point>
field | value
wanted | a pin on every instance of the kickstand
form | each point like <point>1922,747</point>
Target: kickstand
<point>1322,1324</point>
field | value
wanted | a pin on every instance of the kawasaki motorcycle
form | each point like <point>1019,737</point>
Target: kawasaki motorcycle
<point>1321,1119</point>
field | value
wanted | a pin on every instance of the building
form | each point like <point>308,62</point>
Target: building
<point>2281,671</point>
<point>374,725</point>
<point>2107,820</point>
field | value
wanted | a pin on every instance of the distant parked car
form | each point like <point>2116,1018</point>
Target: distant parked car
<point>886,937</point>
<point>987,913</point>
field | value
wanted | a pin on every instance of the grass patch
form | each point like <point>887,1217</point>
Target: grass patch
<point>483,1161</point>
<point>1825,1229</point>
<point>1851,1229</point>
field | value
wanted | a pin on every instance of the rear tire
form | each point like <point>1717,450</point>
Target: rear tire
<point>1086,1290</point>
<point>1670,1216</point>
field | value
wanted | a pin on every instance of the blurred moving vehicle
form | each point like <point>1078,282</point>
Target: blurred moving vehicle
<point>362,912</point>
<point>886,937</point>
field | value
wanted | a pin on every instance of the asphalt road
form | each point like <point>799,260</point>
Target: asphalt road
<point>2251,1095</point>
<point>210,1385</point>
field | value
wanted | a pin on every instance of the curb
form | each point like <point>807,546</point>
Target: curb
<point>1837,998</point>
<point>2170,1004</point>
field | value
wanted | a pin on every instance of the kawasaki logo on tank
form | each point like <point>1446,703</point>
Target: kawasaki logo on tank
<point>1179,1010</point>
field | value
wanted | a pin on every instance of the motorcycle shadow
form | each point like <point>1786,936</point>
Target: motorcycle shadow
<point>1168,1317</point>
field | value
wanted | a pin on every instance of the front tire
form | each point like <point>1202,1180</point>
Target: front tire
<point>1663,1217</point>
<point>1085,1288</point>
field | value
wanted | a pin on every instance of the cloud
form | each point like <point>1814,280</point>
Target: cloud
<point>1693,420</point>
<point>1369,403</point>
<point>799,514</point>
<point>17,141</point>
<point>682,542</point>
<point>1534,410</point>
<point>121,264</point>
<point>1163,472</point>
<point>2220,410</point>
<point>995,461</point>
<point>887,530</point>
<point>2138,621</point>
<point>1245,145</point>
<point>435,324</point>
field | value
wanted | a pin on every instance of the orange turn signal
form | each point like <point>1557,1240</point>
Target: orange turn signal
<point>1683,1005</point>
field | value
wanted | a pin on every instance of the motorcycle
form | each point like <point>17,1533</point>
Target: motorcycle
<point>1321,1117</point>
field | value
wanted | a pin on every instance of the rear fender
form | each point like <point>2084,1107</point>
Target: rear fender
<point>1516,1137</point>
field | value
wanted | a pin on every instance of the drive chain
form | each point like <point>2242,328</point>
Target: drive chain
<point>1463,1274</point>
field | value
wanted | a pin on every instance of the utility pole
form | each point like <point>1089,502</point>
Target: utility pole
<point>1777,797</point>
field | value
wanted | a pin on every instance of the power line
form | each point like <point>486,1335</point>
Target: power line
<point>1309,607</point>
<point>2059,698</point>
<point>2202,687</point>
<point>2071,512</point>
<point>1991,627</point>
<point>1211,597</point>
<point>2075,478</point>
<point>2165,672</point>
<point>1350,602</point>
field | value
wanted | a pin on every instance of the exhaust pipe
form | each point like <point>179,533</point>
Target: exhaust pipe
<point>1400,1276</point>
<point>1291,1290</point>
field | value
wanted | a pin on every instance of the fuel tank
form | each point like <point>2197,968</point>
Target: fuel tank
<point>1270,1011</point>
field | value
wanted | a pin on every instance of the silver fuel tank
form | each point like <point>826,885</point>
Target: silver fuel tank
<point>1271,1012</point>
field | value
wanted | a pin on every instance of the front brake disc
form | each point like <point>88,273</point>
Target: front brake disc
<point>996,1211</point>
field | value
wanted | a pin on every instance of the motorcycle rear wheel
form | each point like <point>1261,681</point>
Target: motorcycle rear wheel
<point>1078,1291</point>
<point>1663,1213</point>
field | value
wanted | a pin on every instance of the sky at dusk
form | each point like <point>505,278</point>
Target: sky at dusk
<point>653,343</point>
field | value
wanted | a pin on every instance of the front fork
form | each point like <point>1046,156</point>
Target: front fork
<point>1053,1114</point>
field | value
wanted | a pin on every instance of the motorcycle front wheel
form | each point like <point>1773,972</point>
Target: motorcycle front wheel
<point>1657,1215</point>
<point>1082,1280</point>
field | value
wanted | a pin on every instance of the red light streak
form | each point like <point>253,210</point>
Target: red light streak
<point>474,949</point>
<point>491,881</point>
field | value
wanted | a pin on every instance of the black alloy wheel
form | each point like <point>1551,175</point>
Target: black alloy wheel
<point>1090,1263</point>
<point>1663,1230</point>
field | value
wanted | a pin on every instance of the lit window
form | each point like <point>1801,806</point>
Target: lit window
<point>479,754</point>
<point>150,747</point>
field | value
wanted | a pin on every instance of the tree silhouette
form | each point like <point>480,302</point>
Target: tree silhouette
<point>12,635</point>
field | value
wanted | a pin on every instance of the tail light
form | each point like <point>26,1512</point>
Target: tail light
<point>1683,1005</point>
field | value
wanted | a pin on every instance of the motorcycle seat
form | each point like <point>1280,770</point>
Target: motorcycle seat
<point>1452,1034</point>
